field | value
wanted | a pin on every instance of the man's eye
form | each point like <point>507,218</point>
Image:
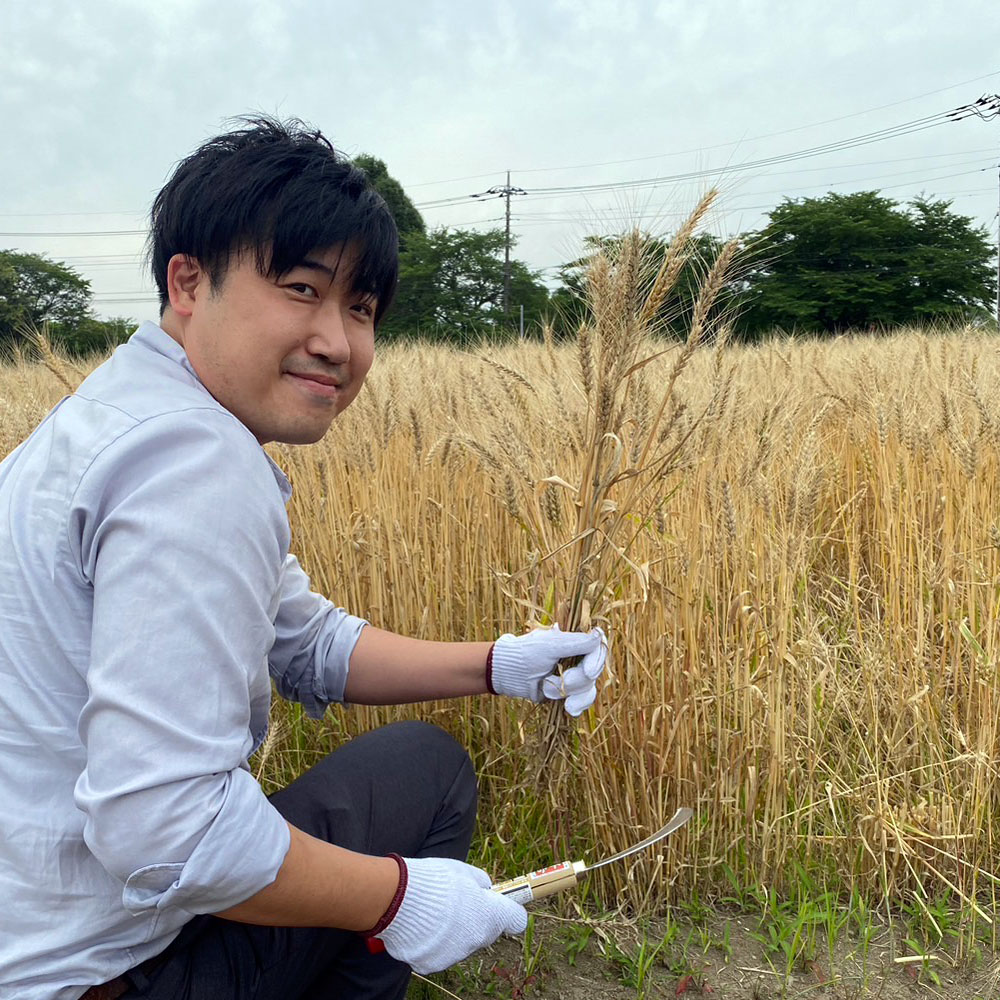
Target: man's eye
<point>365,309</point>
<point>303,289</point>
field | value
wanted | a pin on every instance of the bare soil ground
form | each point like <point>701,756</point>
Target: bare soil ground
<point>721,958</point>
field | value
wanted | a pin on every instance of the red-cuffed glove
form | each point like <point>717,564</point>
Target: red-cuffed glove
<point>444,910</point>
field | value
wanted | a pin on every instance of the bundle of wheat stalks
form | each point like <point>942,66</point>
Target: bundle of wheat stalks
<point>793,547</point>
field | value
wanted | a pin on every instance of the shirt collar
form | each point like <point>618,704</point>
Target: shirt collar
<point>156,339</point>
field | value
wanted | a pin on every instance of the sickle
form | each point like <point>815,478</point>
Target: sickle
<point>546,881</point>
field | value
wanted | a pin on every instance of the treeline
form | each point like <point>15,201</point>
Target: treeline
<point>820,265</point>
<point>36,292</point>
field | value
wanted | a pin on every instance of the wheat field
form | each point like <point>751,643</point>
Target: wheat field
<point>794,548</point>
<point>806,651</point>
<point>804,638</point>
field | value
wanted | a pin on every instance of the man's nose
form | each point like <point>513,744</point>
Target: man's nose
<point>329,337</point>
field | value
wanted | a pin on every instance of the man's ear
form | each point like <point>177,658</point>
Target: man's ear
<point>186,281</point>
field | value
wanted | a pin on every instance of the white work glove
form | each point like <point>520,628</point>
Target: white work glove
<point>523,665</point>
<point>448,911</point>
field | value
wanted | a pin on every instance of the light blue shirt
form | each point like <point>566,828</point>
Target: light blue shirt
<point>147,598</point>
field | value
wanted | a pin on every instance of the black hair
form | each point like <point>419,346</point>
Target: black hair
<point>280,191</point>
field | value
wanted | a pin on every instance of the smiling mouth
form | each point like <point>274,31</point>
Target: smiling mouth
<point>318,385</point>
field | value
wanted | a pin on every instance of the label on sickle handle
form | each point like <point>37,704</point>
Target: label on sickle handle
<point>544,882</point>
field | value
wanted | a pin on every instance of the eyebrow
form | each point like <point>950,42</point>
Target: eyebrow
<point>315,265</point>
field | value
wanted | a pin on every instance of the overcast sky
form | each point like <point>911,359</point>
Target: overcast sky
<point>99,100</point>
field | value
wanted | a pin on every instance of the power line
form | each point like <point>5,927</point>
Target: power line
<point>700,149</point>
<point>721,145</point>
<point>880,135</point>
<point>533,221</point>
<point>98,232</point>
<point>42,215</point>
<point>767,135</point>
<point>505,191</point>
<point>987,108</point>
<point>125,298</point>
<point>106,256</point>
<point>878,163</point>
<point>123,259</point>
<point>731,208</point>
<point>551,220</point>
<point>856,180</point>
<point>907,128</point>
<point>809,187</point>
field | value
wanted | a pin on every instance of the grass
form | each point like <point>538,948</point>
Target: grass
<point>772,947</point>
<point>795,548</point>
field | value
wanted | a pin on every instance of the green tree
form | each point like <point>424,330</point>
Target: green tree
<point>953,276</point>
<point>450,281</point>
<point>35,290</point>
<point>860,260</point>
<point>409,221</point>
<point>451,287</point>
<point>96,336</point>
<point>41,294</point>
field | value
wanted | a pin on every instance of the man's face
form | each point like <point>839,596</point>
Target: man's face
<point>283,355</point>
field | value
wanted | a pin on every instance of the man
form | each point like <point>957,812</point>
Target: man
<point>148,598</point>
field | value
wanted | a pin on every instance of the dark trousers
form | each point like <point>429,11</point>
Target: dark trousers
<point>408,788</point>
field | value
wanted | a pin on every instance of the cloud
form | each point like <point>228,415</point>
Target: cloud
<point>99,101</point>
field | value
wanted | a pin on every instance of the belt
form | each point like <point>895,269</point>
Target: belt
<point>120,985</point>
<point>111,990</point>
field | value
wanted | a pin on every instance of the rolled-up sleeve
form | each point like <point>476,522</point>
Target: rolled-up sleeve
<point>314,640</point>
<point>179,528</point>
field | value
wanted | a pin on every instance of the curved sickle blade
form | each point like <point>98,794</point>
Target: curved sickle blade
<point>675,822</point>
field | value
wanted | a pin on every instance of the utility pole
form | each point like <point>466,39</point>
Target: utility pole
<point>504,191</point>
<point>986,108</point>
<point>506,253</point>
